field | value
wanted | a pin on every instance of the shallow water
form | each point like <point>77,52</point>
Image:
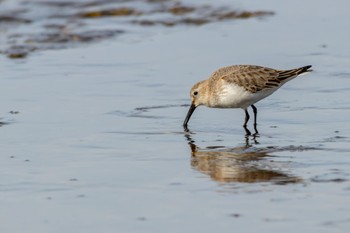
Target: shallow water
<point>91,134</point>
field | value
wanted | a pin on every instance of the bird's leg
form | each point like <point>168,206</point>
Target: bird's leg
<point>246,118</point>
<point>245,122</point>
<point>255,110</point>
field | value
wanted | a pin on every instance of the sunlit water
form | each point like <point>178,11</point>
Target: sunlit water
<point>91,135</point>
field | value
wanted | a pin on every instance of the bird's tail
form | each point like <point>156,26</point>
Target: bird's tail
<point>286,74</point>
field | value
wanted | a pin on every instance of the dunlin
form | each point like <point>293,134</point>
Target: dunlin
<point>239,86</point>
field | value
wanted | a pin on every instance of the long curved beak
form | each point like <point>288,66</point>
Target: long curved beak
<point>189,114</point>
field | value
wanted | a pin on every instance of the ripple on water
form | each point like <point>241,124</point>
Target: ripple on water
<point>141,112</point>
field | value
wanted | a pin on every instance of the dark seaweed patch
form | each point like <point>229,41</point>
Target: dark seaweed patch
<point>123,11</point>
<point>66,23</point>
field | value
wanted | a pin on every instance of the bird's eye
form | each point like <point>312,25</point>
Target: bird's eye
<point>195,93</point>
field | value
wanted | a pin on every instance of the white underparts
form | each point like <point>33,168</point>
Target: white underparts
<point>234,96</point>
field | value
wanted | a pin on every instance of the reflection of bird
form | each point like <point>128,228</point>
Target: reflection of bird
<point>244,164</point>
<point>239,86</point>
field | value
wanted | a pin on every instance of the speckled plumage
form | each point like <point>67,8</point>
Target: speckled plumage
<point>255,78</point>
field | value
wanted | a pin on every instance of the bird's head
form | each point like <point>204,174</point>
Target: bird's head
<point>199,97</point>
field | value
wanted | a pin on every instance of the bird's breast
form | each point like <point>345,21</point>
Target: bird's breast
<point>230,96</point>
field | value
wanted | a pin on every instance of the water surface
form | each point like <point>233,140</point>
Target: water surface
<point>91,134</point>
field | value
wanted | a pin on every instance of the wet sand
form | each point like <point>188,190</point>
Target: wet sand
<point>91,134</point>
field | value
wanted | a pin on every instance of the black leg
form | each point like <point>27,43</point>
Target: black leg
<point>246,118</point>
<point>245,122</point>
<point>255,110</point>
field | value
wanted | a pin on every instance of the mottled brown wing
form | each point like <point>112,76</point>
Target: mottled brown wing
<point>253,78</point>
<point>257,78</point>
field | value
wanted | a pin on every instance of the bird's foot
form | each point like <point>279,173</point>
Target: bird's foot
<point>247,131</point>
